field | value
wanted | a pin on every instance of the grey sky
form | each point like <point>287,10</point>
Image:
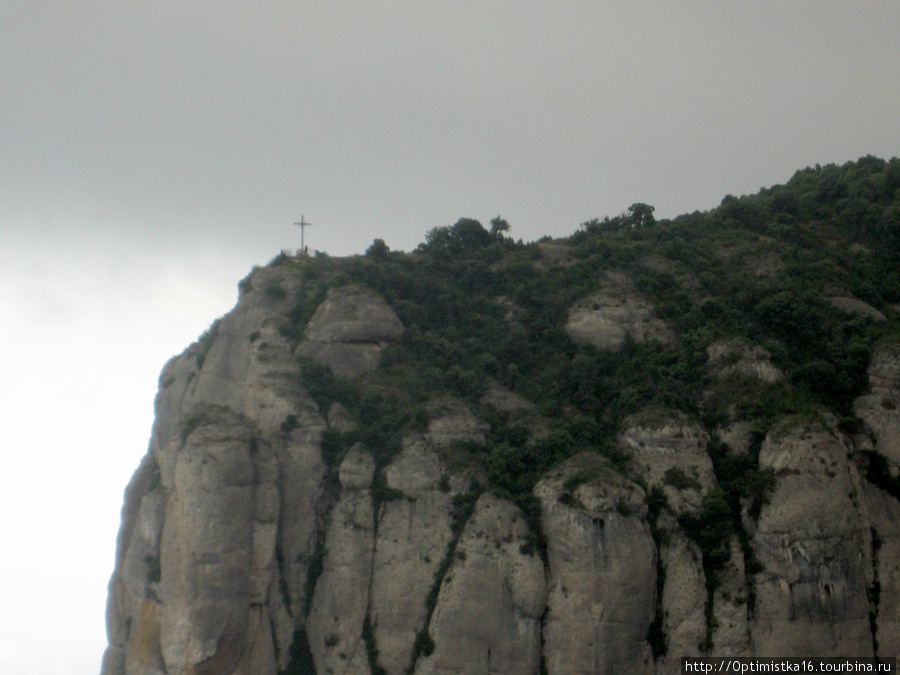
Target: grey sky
<point>199,121</point>
<point>152,152</point>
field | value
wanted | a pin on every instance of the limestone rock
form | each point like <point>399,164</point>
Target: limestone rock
<point>488,613</point>
<point>854,306</point>
<point>353,314</point>
<point>683,600</point>
<point>138,563</point>
<point>417,469</point>
<point>356,471</point>
<point>302,488</point>
<point>244,550</point>
<point>730,357</point>
<point>731,628</point>
<point>349,330</point>
<point>413,535</point>
<point>225,489</point>
<point>613,314</point>
<point>880,407</point>
<point>345,360</point>
<point>669,451</point>
<point>339,419</point>
<point>206,547</point>
<point>452,421</point>
<point>884,584</point>
<point>521,412</point>
<point>602,570</point>
<point>739,436</point>
<point>340,603</point>
<point>260,655</point>
<point>812,542</point>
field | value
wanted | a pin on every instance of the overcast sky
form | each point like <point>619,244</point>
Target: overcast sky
<point>151,153</point>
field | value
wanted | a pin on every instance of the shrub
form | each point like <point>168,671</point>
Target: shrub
<point>424,644</point>
<point>678,479</point>
<point>464,237</point>
<point>300,656</point>
<point>275,293</point>
<point>711,530</point>
<point>378,249</point>
<point>290,423</point>
<point>154,570</point>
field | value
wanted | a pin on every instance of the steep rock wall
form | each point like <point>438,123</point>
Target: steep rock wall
<point>252,543</point>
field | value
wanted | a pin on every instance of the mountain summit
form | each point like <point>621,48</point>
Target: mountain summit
<point>648,440</point>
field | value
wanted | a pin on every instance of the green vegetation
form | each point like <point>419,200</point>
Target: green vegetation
<point>154,569</point>
<point>275,293</point>
<point>190,422</point>
<point>301,660</point>
<point>679,480</point>
<point>205,343</point>
<point>878,473</point>
<point>371,648</point>
<point>480,308</point>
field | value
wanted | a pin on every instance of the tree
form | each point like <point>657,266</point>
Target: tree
<point>498,227</point>
<point>378,249</point>
<point>465,236</point>
<point>641,215</point>
<point>785,201</point>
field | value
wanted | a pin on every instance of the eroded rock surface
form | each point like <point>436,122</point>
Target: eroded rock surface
<point>669,452</point>
<point>880,408</point>
<point>613,314</point>
<point>814,544</point>
<point>413,535</point>
<point>340,603</point>
<point>350,329</point>
<point>260,536</point>
<point>601,589</point>
<point>488,613</point>
<point>730,357</point>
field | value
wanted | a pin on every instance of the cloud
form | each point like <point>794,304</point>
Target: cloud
<point>7,651</point>
<point>199,122</point>
<point>84,337</point>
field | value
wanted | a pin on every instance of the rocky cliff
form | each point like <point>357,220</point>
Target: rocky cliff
<point>338,482</point>
<point>252,542</point>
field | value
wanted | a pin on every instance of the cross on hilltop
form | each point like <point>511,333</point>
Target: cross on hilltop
<point>303,225</point>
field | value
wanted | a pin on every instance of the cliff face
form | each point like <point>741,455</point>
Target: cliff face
<point>264,534</point>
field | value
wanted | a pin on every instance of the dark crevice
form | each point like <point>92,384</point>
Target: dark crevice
<point>874,591</point>
<point>878,473</point>
<point>369,639</point>
<point>301,659</point>
<point>656,631</point>
<point>368,634</point>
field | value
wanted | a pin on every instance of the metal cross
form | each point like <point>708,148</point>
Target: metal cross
<point>303,225</point>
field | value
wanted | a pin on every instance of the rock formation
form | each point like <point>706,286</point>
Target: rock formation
<point>263,534</point>
<point>613,314</point>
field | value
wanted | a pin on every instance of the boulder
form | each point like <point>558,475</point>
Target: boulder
<point>349,330</point>
<point>613,314</point>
